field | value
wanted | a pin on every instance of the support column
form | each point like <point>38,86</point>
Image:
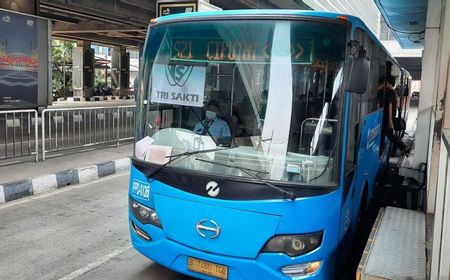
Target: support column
<point>83,74</point>
<point>439,100</point>
<point>120,70</point>
<point>427,92</point>
<point>426,113</point>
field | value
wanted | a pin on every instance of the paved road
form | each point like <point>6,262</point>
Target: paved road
<point>76,233</point>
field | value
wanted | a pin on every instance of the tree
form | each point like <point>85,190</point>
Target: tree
<point>100,77</point>
<point>62,68</point>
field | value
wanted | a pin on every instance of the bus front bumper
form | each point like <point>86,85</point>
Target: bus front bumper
<point>174,256</point>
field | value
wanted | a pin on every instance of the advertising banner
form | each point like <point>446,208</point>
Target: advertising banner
<point>19,60</point>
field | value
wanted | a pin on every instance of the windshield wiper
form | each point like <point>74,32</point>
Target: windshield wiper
<point>284,194</point>
<point>197,152</point>
<point>173,158</point>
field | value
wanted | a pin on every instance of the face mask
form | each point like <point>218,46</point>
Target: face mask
<point>210,115</point>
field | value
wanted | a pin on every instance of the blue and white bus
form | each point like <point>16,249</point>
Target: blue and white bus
<point>258,142</point>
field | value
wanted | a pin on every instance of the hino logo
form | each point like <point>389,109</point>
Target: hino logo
<point>208,229</point>
<point>212,188</point>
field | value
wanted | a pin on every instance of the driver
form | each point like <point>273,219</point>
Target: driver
<point>212,125</point>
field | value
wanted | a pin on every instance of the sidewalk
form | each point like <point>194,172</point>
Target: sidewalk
<point>26,170</point>
<point>30,178</point>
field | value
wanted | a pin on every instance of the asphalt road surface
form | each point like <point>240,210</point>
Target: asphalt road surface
<point>80,232</point>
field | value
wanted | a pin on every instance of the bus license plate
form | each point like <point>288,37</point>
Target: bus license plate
<point>208,268</point>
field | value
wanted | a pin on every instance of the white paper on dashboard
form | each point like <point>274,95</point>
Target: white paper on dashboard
<point>142,146</point>
<point>158,154</point>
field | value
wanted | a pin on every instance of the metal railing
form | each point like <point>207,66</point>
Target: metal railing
<point>440,254</point>
<point>68,128</point>
<point>19,134</point>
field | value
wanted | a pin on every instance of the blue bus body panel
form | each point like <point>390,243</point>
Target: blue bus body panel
<point>368,165</point>
<point>245,228</point>
<point>346,200</point>
<point>369,160</point>
<point>179,224</point>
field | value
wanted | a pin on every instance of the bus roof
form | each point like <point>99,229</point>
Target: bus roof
<point>258,12</point>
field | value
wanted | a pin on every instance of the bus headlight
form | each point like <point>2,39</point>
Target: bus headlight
<point>144,214</point>
<point>294,245</point>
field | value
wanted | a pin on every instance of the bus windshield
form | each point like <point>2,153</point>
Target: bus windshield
<point>262,95</point>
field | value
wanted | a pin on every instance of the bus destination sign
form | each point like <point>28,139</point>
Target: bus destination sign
<point>232,51</point>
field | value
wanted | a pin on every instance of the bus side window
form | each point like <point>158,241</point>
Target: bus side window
<point>372,94</point>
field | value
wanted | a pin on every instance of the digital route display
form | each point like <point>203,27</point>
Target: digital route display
<point>233,51</point>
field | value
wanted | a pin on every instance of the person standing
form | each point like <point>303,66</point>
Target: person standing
<point>390,109</point>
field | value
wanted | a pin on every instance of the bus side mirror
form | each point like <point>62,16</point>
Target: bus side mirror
<point>359,73</point>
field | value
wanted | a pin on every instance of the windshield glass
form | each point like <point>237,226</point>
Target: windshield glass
<point>264,93</point>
